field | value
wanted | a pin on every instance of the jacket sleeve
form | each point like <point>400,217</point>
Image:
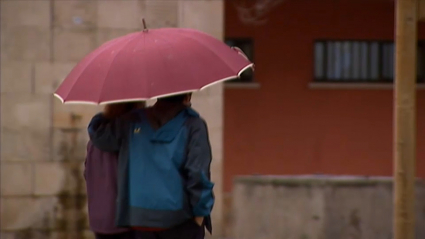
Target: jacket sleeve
<point>88,152</point>
<point>106,134</point>
<point>197,168</point>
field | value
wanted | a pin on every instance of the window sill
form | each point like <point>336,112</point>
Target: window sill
<point>240,85</point>
<point>356,86</point>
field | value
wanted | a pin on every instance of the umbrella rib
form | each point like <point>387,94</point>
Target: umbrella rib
<point>161,53</point>
<point>209,48</point>
<point>113,60</point>
<point>76,78</point>
<point>91,60</point>
<point>147,87</point>
<point>202,43</point>
<point>185,36</point>
<point>218,57</point>
<point>236,75</point>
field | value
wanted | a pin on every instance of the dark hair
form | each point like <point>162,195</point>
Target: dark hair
<point>174,98</point>
<point>131,106</point>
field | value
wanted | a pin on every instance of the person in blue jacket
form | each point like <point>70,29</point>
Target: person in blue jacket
<point>164,185</point>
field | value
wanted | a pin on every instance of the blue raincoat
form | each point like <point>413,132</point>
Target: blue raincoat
<point>163,174</point>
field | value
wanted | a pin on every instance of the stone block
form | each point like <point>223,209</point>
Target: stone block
<point>70,147</point>
<point>73,45</point>
<point>16,77</point>
<point>86,212</point>
<point>318,207</point>
<point>26,112</point>
<point>49,75</point>
<point>16,179</point>
<point>70,188</point>
<point>23,213</point>
<point>44,172</point>
<point>161,13</point>
<point>25,145</point>
<point>25,13</point>
<point>75,14</point>
<point>217,178</point>
<point>119,14</point>
<point>65,217</point>
<point>21,145</point>
<point>216,173</point>
<point>89,235</point>
<point>106,34</point>
<point>217,213</point>
<point>34,234</point>
<point>356,214</point>
<point>216,141</point>
<point>227,215</point>
<point>7,235</point>
<point>25,43</point>
<point>304,206</point>
<point>25,131</point>
<point>210,105</point>
<point>73,115</point>
<point>203,15</point>
<point>70,144</point>
<point>44,234</point>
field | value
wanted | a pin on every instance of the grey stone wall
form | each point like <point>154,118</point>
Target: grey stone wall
<point>317,208</point>
<point>42,141</point>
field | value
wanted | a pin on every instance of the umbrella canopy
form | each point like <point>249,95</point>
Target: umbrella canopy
<point>151,64</point>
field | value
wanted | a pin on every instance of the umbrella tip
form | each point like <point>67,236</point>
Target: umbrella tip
<point>145,29</point>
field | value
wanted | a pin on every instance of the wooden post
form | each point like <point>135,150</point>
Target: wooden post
<point>405,118</point>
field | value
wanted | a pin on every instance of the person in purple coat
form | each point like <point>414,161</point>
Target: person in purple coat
<point>101,181</point>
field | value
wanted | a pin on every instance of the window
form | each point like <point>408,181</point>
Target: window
<point>247,46</point>
<point>358,61</point>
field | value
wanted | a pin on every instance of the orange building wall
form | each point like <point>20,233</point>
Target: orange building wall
<point>286,128</point>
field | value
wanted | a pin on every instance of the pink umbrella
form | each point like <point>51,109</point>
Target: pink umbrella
<point>151,64</point>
